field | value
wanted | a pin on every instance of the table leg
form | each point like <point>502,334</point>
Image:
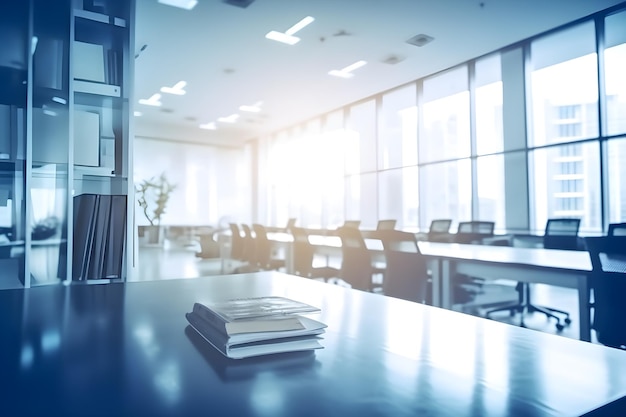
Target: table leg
<point>583,309</point>
<point>446,296</point>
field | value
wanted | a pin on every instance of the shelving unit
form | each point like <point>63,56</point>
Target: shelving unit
<point>66,82</point>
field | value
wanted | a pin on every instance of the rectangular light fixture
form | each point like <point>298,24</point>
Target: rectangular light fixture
<point>208,126</point>
<point>347,71</point>
<point>282,37</point>
<point>230,119</point>
<point>177,89</point>
<point>288,37</point>
<point>154,100</point>
<point>181,4</point>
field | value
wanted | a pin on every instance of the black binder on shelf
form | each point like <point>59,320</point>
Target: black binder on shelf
<point>84,210</point>
<point>99,236</point>
<point>114,248</point>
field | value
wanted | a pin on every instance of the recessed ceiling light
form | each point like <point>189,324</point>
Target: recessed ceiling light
<point>177,89</point>
<point>152,101</point>
<point>230,119</point>
<point>182,4</point>
<point>288,37</point>
<point>347,71</point>
<point>208,126</point>
<point>138,114</point>
<point>255,108</point>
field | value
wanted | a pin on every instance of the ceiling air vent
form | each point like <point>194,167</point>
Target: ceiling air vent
<point>393,59</point>
<point>239,3</point>
<point>420,40</point>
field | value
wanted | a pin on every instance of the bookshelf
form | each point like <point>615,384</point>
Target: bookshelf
<point>65,132</point>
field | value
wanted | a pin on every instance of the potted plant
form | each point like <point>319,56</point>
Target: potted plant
<point>152,196</point>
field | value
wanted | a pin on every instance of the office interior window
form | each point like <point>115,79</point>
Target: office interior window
<point>614,70</point>
<point>398,196</point>
<point>564,86</point>
<point>361,199</point>
<point>210,182</point>
<point>361,148</point>
<point>445,192</point>
<point>490,190</point>
<point>445,128</point>
<point>488,99</point>
<point>397,128</point>
<point>616,156</point>
<point>331,169</point>
<point>565,182</point>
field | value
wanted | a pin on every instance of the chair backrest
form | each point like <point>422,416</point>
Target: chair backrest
<point>290,223</point>
<point>561,233</point>
<point>303,252</point>
<point>389,224</point>
<point>439,230</point>
<point>249,244</point>
<point>352,223</point>
<point>406,273</point>
<point>236,242</point>
<point>356,260</point>
<point>608,281</point>
<point>617,229</point>
<point>262,245</point>
<point>474,231</point>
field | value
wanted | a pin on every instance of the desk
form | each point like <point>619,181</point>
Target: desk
<point>562,268</point>
<point>125,349</point>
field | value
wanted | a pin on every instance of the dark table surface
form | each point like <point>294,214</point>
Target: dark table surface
<point>126,350</point>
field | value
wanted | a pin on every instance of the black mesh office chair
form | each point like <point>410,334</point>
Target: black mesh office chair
<point>356,260</point>
<point>439,230</point>
<point>608,283</point>
<point>617,229</point>
<point>406,272</point>
<point>389,224</point>
<point>560,233</point>
<point>466,288</point>
<point>474,231</point>
<point>303,256</point>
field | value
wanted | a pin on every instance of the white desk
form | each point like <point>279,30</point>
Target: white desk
<point>535,265</point>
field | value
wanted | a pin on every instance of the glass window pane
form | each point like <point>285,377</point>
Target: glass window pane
<point>564,87</point>
<point>617,180</point>
<point>361,199</point>
<point>445,192</point>
<point>615,68</point>
<point>565,182</point>
<point>445,128</point>
<point>397,127</point>
<point>488,98</point>
<point>332,176</point>
<point>491,196</point>
<point>361,148</point>
<point>399,197</point>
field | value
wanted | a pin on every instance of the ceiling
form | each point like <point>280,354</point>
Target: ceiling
<point>220,50</point>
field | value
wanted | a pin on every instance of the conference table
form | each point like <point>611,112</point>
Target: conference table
<point>125,349</point>
<point>561,268</point>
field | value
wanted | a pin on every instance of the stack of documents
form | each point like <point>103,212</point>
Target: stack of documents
<point>248,327</point>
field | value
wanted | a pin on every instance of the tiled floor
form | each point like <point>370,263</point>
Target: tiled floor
<point>179,262</point>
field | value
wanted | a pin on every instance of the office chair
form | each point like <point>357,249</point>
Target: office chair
<point>617,229</point>
<point>303,255</point>
<point>439,230</point>
<point>263,250</point>
<point>474,231</point>
<point>608,283</point>
<point>406,272</point>
<point>386,224</point>
<point>356,260</point>
<point>352,223</point>
<point>560,233</point>
<point>248,252</point>
<point>236,242</point>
